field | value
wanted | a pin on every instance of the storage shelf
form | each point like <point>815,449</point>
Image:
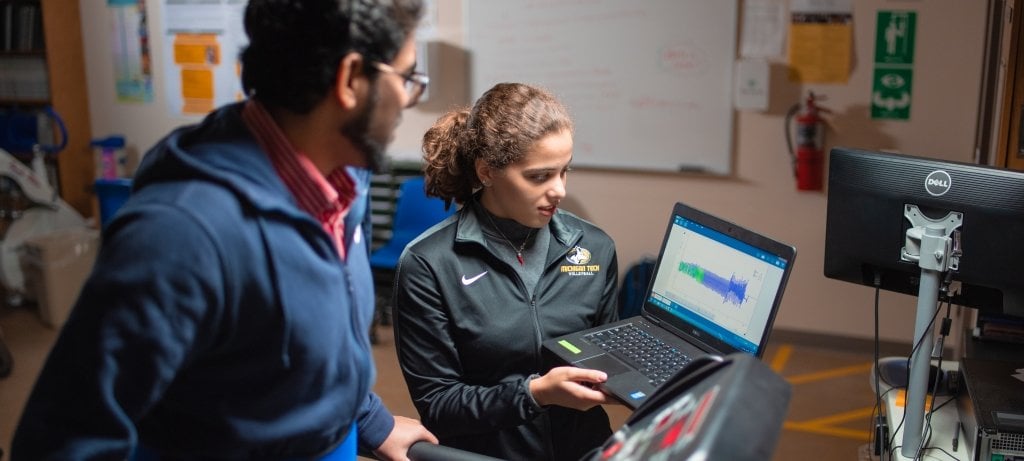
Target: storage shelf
<point>30,103</point>
<point>22,54</point>
<point>55,38</point>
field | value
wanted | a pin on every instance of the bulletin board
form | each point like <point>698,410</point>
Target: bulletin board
<point>648,83</point>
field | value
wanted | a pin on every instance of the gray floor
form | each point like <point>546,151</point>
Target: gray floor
<point>828,417</point>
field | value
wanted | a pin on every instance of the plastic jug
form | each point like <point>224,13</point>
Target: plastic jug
<point>110,157</point>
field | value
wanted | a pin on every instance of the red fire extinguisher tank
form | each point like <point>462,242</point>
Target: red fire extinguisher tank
<point>808,155</point>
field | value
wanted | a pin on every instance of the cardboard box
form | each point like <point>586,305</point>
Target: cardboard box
<point>55,266</point>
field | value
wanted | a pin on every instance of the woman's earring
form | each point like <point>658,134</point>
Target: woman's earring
<point>486,184</point>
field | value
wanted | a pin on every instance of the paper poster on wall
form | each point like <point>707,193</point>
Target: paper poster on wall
<point>763,32</point>
<point>820,41</point>
<point>894,65</point>
<point>133,70</point>
<point>202,39</point>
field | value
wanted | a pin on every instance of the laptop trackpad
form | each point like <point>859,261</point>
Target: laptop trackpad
<point>605,363</point>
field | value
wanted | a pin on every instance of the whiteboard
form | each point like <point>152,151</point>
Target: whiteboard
<point>648,83</point>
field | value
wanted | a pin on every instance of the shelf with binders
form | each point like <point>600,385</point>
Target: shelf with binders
<point>42,67</point>
<point>24,77</point>
<point>21,27</point>
<point>24,80</point>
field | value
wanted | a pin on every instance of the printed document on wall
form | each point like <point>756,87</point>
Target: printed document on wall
<point>820,41</point>
<point>133,69</point>
<point>201,42</point>
<point>763,31</point>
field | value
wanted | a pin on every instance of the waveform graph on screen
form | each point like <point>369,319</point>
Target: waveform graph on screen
<point>713,281</point>
<point>732,289</point>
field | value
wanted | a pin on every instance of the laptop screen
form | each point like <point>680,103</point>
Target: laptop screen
<point>720,289</point>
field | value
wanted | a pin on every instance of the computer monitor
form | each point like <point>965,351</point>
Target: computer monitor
<point>868,193</point>
<point>916,225</point>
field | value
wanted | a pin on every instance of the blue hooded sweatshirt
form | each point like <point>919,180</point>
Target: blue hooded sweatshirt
<point>218,323</point>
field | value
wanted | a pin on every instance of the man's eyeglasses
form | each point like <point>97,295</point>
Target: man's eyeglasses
<point>415,82</point>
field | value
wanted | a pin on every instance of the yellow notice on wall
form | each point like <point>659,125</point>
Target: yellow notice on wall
<point>197,49</point>
<point>197,55</point>
<point>820,51</point>
<point>199,42</point>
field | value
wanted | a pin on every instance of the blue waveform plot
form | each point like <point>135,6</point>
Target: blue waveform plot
<point>732,290</point>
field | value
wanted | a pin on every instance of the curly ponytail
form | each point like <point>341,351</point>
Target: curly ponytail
<point>500,129</point>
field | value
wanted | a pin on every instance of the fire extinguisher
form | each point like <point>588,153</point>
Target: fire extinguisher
<point>809,156</point>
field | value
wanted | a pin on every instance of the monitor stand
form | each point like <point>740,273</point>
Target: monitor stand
<point>936,248</point>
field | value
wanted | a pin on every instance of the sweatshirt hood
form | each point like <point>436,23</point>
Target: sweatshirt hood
<point>198,152</point>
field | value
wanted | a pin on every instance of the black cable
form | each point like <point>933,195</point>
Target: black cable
<point>945,403</point>
<point>877,412</point>
<point>892,438</point>
<point>947,453</point>
<point>925,439</point>
<point>917,345</point>
<point>943,332</point>
<point>950,455</point>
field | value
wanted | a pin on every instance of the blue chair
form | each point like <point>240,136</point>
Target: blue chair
<point>414,213</point>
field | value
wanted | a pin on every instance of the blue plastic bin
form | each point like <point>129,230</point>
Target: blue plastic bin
<point>111,193</point>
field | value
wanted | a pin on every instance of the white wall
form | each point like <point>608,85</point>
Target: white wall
<point>633,207</point>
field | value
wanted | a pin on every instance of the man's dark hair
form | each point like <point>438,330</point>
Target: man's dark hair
<point>295,46</point>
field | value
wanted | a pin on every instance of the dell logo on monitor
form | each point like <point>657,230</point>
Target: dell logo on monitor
<point>937,183</point>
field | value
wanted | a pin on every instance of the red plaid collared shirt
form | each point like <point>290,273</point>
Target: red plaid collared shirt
<point>326,198</point>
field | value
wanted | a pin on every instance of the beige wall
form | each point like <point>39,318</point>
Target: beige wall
<point>633,206</point>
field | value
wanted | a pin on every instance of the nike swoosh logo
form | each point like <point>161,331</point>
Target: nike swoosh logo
<point>470,280</point>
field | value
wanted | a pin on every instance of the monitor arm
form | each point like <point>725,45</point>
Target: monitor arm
<point>947,247</point>
<point>935,246</point>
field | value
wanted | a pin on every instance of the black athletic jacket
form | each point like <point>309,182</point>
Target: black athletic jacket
<point>468,335</point>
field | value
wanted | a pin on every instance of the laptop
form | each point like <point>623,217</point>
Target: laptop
<point>715,291</point>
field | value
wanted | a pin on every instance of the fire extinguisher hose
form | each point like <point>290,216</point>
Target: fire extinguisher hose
<point>789,137</point>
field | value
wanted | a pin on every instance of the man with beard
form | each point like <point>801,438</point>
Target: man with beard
<point>227,316</point>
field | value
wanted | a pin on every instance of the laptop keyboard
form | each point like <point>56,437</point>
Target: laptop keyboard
<point>651,356</point>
